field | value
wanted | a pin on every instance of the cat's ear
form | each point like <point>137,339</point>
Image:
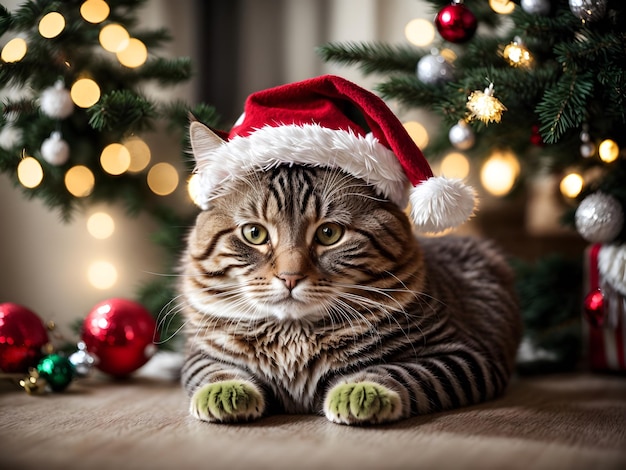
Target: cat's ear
<point>204,141</point>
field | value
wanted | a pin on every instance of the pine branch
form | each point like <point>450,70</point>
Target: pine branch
<point>372,56</point>
<point>165,71</point>
<point>121,109</point>
<point>6,20</point>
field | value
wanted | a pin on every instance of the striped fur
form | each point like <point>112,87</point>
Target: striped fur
<point>426,324</point>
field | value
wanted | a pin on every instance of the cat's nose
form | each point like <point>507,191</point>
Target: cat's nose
<point>290,279</point>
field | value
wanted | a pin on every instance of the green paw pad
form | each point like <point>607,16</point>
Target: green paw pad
<point>362,403</point>
<point>228,401</point>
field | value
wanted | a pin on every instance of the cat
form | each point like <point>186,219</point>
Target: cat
<point>305,291</point>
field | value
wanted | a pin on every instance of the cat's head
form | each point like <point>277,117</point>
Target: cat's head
<point>299,242</point>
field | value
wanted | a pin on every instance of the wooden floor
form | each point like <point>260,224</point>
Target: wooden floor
<point>552,422</point>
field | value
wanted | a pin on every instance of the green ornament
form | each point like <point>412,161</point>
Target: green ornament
<point>57,371</point>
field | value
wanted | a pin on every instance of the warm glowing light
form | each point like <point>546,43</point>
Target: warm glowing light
<point>571,185</point>
<point>14,50</point>
<point>29,172</point>
<point>134,54</point>
<point>102,275</point>
<point>504,7</point>
<point>115,159</point>
<point>419,32</point>
<point>193,188</point>
<point>417,132</point>
<point>484,106</point>
<point>163,179</point>
<point>79,181</point>
<point>113,37</point>
<point>85,92</point>
<point>517,55</point>
<point>139,154</point>
<point>100,225</point>
<point>95,11</point>
<point>499,173</point>
<point>455,165</point>
<point>51,25</point>
<point>448,54</point>
<point>608,151</point>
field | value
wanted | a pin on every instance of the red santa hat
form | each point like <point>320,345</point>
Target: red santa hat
<point>313,123</point>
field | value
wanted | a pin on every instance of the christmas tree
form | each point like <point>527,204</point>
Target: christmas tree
<point>75,80</point>
<point>524,89</point>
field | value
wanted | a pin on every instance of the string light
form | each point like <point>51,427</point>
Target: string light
<point>102,275</point>
<point>455,165</point>
<point>608,151</point>
<point>571,185</point>
<point>100,225</point>
<point>14,50</point>
<point>504,7</point>
<point>113,37</point>
<point>29,172</point>
<point>417,132</point>
<point>484,106</point>
<point>115,159</point>
<point>419,32</point>
<point>139,154</point>
<point>163,179</point>
<point>516,54</point>
<point>134,54</point>
<point>95,11</point>
<point>79,181</point>
<point>193,188</point>
<point>85,92</point>
<point>51,25</point>
<point>499,173</point>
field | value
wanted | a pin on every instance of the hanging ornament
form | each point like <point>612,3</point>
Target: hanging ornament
<point>587,147</point>
<point>536,7</point>
<point>461,135</point>
<point>516,54</point>
<point>535,136</point>
<point>56,102</point>
<point>55,150</point>
<point>82,360</point>
<point>57,371</point>
<point>484,106</point>
<point>22,337</point>
<point>433,68</point>
<point>10,136</point>
<point>594,307</point>
<point>456,23</point>
<point>121,334</point>
<point>588,10</point>
<point>599,218</point>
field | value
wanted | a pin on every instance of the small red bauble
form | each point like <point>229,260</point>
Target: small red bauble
<point>594,308</point>
<point>121,334</point>
<point>22,337</point>
<point>456,23</point>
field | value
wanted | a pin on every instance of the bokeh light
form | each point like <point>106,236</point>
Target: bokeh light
<point>417,132</point>
<point>14,50</point>
<point>419,32</point>
<point>102,275</point>
<point>499,173</point>
<point>113,37</point>
<point>163,179</point>
<point>504,7</point>
<point>100,225</point>
<point>608,151</point>
<point>79,181</point>
<point>51,25</point>
<point>29,172</point>
<point>85,92</point>
<point>139,153</point>
<point>95,11</point>
<point>115,159</point>
<point>134,54</point>
<point>571,185</point>
<point>455,165</point>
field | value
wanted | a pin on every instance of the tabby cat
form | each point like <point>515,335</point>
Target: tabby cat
<point>305,291</point>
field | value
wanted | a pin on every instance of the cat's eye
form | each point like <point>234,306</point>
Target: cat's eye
<point>255,234</point>
<point>328,233</point>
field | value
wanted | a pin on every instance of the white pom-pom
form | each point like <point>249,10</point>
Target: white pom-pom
<point>9,137</point>
<point>55,150</point>
<point>56,101</point>
<point>439,203</point>
<point>612,266</point>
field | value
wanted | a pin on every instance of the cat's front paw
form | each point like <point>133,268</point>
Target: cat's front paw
<point>227,401</point>
<point>362,403</point>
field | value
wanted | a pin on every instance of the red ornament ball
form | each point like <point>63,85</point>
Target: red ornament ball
<point>594,308</point>
<point>456,23</point>
<point>22,337</point>
<point>121,334</point>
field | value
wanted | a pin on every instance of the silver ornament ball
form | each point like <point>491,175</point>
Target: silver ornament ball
<point>588,10</point>
<point>433,69</point>
<point>461,136</point>
<point>536,7</point>
<point>587,149</point>
<point>55,150</point>
<point>82,360</point>
<point>56,101</point>
<point>599,218</point>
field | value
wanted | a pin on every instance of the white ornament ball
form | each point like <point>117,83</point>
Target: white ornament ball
<point>56,101</point>
<point>10,137</point>
<point>588,10</point>
<point>461,136</point>
<point>536,7</point>
<point>599,218</point>
<point>55,150</point>
<point>433,69</point>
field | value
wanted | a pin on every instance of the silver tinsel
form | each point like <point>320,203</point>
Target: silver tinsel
<point>536,7</point>
<point>599,218</point>
<point>588,10</point>
<point>461,136</point>
<point>434,68</point>
<point>82,361</point>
